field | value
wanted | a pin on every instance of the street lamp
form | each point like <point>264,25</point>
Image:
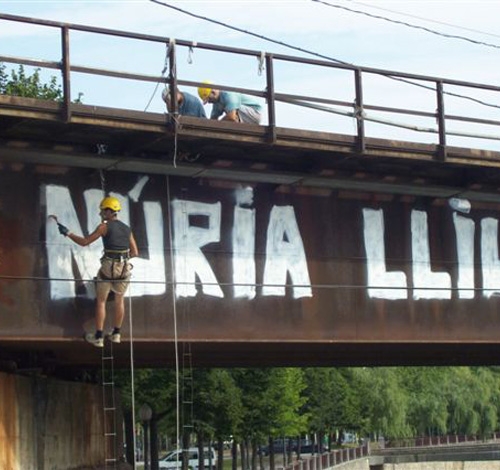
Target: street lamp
<point>145,414</point>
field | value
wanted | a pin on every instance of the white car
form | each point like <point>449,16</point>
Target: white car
<point>173,459</point>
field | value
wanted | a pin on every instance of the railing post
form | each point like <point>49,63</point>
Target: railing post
<point>441,122</point>
<point>271,110</point>
<point>358,112</point>
<point>66,70</point>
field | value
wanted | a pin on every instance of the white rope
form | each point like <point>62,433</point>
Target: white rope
<point>174,309</point>
<point>262,61</point>
<point>132,375</point>
<point>388,122</point>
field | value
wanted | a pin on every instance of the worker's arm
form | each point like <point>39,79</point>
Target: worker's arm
<point>134,251</point>
<point>231,116</point>
<point>99,232</point>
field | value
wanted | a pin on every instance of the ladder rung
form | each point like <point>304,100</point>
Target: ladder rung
<point>108,383</point>
<point>107,358</point>
<point>111,460</point>
<point>109,434</point>
<point>109,409</point>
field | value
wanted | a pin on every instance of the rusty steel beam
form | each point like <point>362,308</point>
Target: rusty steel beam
<point>263,274</point>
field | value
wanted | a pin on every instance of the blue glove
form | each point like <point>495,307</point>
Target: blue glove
<point>62,229</point>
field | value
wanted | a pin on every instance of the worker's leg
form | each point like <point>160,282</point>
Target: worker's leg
<point>97,338</point>
<point>100,312</point>
<point>119,310</point>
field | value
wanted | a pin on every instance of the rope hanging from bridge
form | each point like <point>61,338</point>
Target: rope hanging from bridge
<point>174,310</point>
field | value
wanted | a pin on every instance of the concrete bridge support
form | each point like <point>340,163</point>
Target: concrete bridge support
<point>51,424</point>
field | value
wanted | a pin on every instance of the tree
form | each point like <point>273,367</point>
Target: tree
<point>20,83</point>
<point>426,388</point>
<point>387,402</point>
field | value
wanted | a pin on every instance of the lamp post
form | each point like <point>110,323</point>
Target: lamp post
<point>145,414</point>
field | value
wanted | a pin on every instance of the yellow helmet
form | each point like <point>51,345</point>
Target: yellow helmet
<point>110,203</point>
<point>204,92</point>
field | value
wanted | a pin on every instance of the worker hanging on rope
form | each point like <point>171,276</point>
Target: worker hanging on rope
<point>114,273</point>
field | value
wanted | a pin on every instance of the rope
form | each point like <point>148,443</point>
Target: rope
<point>262,61</point>
<point>176,124</point>
<point>165,67</point>
<point>132,373</point>
<point>191,52</point>
<point>174,309</point>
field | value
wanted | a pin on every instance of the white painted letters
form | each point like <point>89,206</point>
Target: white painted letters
<point>381,283</point>
<point>285,254</point>
<point>427,283</point>
<point>489,257</point>
<point>188,241</point>
<point>244,246</point>
<point>464,231</point>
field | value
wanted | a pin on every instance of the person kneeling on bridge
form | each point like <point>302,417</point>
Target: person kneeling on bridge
<point>114,274</point>
<point>235,106</point>
<point>187,104</point>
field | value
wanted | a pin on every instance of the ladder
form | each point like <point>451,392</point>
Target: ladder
<point>187,389</point>
<point>109,406</point>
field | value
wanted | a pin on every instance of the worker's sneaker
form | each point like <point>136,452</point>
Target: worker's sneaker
<point>115,337</point>
<point>97,342</point>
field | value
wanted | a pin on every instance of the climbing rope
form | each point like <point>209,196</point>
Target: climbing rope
<point>174,309</point>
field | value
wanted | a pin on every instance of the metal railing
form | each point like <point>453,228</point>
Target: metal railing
<point>434,441</point>
<point>329,459</point>
<point>356,108</point>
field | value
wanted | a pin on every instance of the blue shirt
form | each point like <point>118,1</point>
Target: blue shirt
<point>191,106</point>
<point>229,101</point>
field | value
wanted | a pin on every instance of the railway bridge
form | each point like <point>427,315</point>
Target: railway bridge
<point>260,245</point>
<point>370,241</point>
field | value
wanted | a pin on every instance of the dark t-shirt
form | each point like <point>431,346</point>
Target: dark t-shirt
<point>117,237</point>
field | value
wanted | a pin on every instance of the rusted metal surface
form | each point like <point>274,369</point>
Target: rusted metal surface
<point>47,423</point>
<point>31,131</point>
<point>302,247</point>
<point>336,305</point>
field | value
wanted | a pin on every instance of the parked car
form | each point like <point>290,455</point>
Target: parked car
<point>308,447</point>
<point>279,446</point>
<point>173,459</point>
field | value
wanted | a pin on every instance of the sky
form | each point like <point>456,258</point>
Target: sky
<point>341,30</point>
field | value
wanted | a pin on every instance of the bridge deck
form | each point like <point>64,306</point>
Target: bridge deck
<point>34,131</point>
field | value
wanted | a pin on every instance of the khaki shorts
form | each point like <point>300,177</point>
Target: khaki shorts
<point>113,276</point>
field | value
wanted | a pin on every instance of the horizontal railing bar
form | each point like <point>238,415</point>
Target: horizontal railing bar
<point>27,61</point>
<point>283,57</point>
<point>117,74</point>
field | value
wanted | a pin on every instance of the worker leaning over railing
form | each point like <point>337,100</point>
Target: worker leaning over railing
<point>230,105</point>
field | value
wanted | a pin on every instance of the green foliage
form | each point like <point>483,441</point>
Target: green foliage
<point>387,402</point>
<point>3,78</point>
<point>285,396</point>
<point>22,84</point>
<point>255,404</point>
